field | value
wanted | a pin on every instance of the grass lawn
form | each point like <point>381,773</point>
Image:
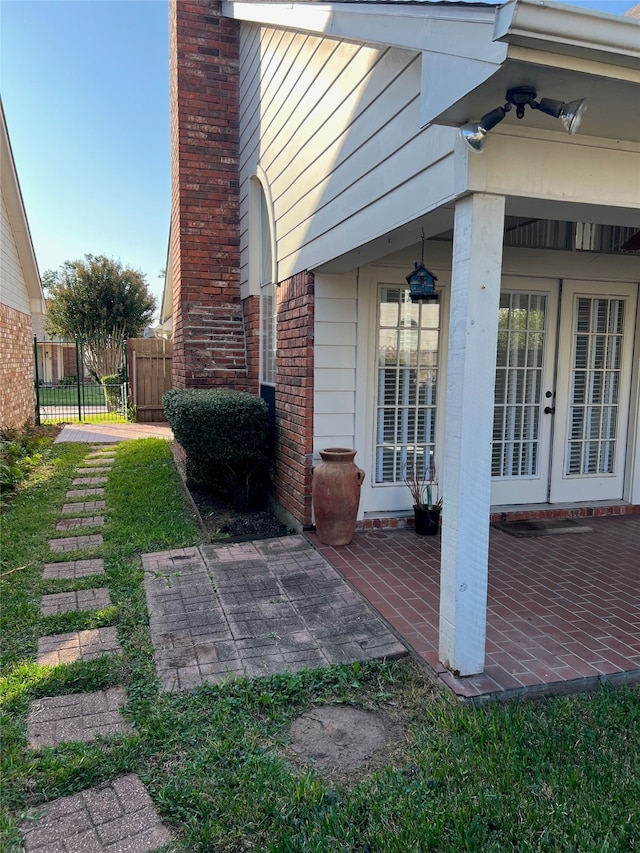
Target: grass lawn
<point>67,395</point>
<point>556,775</point>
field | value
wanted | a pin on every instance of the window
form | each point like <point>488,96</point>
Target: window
<point>407,379</point>
<point>267,299</point>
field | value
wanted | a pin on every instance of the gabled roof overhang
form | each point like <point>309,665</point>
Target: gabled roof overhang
<point>473,53</point>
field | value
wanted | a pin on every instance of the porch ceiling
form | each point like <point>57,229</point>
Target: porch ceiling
<point>610,114</point>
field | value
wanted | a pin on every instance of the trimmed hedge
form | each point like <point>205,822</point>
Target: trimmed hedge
<point>226,436</point>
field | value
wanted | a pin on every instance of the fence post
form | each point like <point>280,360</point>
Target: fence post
<point>37,379</point>
<point>78,378</point>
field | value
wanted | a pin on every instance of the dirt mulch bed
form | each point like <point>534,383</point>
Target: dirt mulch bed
<point>224,524</point>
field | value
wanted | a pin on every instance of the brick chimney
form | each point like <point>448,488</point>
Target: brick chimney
<point>208,330</point>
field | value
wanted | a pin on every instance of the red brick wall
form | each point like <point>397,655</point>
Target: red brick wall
<point>294,395</point>
<point>251,309</point>
<point>208,328</point>
<point>17,402</point>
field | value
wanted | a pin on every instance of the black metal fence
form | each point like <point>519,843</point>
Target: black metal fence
<point>66,390</point>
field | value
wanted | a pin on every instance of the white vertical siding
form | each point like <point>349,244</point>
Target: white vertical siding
<point>13,288</point>
<point>335,361</point>
<point>335,127</point>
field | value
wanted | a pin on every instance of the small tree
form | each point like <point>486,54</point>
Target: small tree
<point>102,303</point>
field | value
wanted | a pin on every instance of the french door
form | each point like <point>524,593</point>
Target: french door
<point>593,388</point>
<point>563,375</point>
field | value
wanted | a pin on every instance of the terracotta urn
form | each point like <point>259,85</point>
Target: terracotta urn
<point>337,481</point>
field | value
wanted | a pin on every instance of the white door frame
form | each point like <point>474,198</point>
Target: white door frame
<point>534,488</point>
<point>566,487</point>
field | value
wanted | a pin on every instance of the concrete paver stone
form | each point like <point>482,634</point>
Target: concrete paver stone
<point>77,645</point>
<point>84,506</point>
<point>82,599</point>
<point>98,491</point>
<point>115,817</point>
<point>72,523</point>
<point>89,481</point>
<point>252,609</point>
<point>75,543</point>
<point>76,717</point>
<point>73,569</point>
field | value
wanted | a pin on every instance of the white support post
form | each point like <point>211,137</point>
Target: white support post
<point>471,368</point>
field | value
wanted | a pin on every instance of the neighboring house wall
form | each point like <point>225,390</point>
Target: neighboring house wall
<point>208,326</point>
<point>14,288</point>
<point>16,357</point>
<point>16,334</point>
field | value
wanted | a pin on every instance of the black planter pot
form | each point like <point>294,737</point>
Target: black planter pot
<point>426,522</point>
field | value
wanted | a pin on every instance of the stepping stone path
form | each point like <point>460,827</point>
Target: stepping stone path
<point>115,816</point>
<point>83,599</point>
<point>73,523</point>
<point>118,815</point>
<point>79,716</point>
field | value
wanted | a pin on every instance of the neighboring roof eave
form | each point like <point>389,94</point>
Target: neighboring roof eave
<point>18,218</point>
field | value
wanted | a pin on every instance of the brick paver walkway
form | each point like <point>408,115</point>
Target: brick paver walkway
<point>76,717</point>
<point>73,569</point>
<point>89,481</point>
<point>77,645</point>
<point>82,599</point>
<point>255,609</point>
<point>116,817</point>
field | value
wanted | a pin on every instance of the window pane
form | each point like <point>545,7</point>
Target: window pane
<point>408,342</point>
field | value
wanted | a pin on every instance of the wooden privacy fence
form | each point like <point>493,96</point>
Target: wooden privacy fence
<point>150,376</point>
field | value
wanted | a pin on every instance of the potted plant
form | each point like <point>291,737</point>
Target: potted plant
<point>423,485</point>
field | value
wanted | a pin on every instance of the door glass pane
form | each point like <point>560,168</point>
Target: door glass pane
<point>595,384</point>
<point>518,399</point>
<point>408,341</point>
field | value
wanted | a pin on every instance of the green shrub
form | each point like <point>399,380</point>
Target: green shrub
<point>226,436</point>
<point>20,451</point>
<point>68,380</point>
<point>112,391</point>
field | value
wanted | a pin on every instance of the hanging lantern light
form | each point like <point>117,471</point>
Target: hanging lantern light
<point>422,283</point>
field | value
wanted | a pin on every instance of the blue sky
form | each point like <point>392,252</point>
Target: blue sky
<point>85,88</point>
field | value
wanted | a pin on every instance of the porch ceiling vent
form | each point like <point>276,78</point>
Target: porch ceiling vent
<point>570,114</point>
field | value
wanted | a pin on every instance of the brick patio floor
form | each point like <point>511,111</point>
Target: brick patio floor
<point>563,611</point>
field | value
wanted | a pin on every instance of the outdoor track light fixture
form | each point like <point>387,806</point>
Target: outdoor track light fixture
<point>570,114</point>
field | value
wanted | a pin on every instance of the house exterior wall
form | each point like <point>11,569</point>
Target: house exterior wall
<point>335,129</point>
<point>16,357</point>
<point>358,405</point>
<point>294,397</point>
<point>208,328</point>
<point>335,362</point>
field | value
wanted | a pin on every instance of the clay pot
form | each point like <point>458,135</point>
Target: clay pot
<point>336,495</point>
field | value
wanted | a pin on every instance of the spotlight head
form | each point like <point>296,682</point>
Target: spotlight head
<point>571,115</point>
<point>474,133</point>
